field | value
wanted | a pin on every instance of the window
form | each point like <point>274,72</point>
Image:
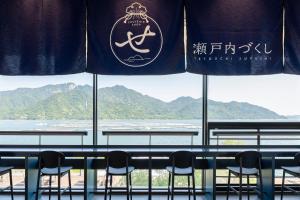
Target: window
<point>54,103</point>
<point>154,103</point>
<point>151,103</point>
<point>259,98</point>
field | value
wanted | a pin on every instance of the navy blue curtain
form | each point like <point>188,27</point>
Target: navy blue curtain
<point>292,37</point>
<point>42,37</point>
<point>234,37</point>
<point>136,37</point>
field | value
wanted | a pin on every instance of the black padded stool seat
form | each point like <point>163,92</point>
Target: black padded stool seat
<point>180,171</point>
<point>294,171</point>
<point>117,164</point>
<point>120,171</point>
<point>245,171</point>
<point>54,171</point>
<point>51,164</point>
<point>4,171</point>
<point>249,165</point>
<point>183,164</point>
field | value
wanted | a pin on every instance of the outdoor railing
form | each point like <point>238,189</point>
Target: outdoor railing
<point>252,131</point>
<point>80,134</point>
<point>149,134</point>
<point>255,133</point>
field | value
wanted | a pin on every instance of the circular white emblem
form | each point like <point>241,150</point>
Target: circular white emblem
<point>136,39</point>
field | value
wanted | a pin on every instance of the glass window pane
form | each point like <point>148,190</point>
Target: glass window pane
<point>150,103</point>
<point>47,103</point>
<point>254,98</point>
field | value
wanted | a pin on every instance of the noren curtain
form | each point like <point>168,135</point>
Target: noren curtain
<point>144,37</point>
<point>230,37</point>
<point>42,37</point>
<point>292,37</point>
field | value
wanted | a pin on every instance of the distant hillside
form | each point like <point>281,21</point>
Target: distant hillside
<point>69,101</point>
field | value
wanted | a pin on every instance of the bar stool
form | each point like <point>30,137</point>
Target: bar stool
<point>4,171</point>
<point>294,171</point>
<point>183,164</point>
<point>117,164</point>
<point>249,166</point>
<point>50,164</point>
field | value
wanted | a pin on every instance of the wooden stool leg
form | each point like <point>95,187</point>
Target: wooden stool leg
<point>59,181</point>
<point>248,187</point>
<point>50,186</point>
<point>11,185</point>
<point>169,185</point>
<point>241,187</point>
<point>194,186</point>
<point>110,186</point>
<point>106,185</point>
<point>189,187</point>
<point>127,186</point>
<point>228,187</point>
<point>282,186</point>
<point>173,186</point>
<point>261,186</point>
<point>70,185</point>
<point>130,185</point>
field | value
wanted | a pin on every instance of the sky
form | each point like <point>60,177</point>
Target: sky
<point>279,93</point>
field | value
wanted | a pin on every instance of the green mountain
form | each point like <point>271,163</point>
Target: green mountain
<point>69,101</point>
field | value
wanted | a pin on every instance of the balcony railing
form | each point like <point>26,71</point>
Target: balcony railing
<point>40,134</point>
<point>252,131</point>
<point>149,134</point>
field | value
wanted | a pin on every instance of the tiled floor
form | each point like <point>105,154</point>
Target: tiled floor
<point>77,197</point>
